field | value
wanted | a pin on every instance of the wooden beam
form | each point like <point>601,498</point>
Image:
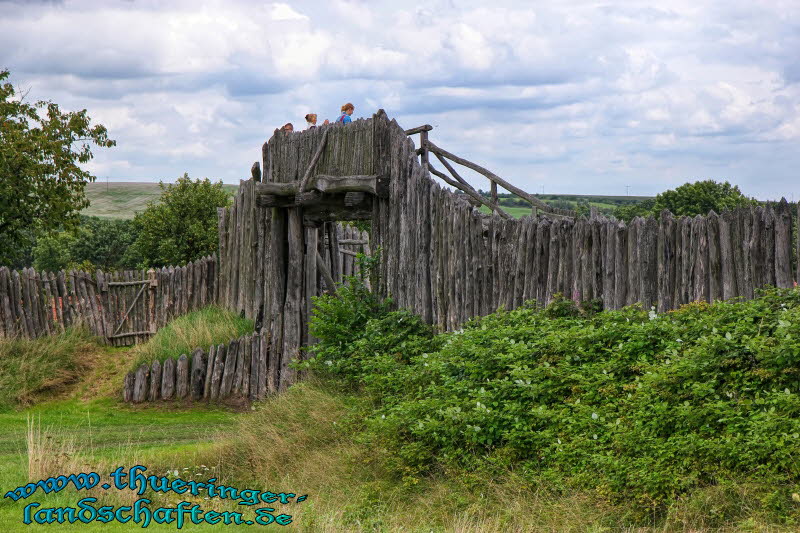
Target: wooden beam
<point>493,177</point>
<point>374,184</point>
<point>326,274</point>
<point>317,154</point>
<point>300,199</point>
<point>471,192</point>
<point>494,206</point>
<point>353,241</point>
<point>419,129</point>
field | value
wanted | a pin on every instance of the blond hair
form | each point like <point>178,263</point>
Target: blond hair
<point>347,106</point>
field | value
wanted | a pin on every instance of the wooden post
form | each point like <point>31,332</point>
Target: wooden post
<point>423,144</point>
<point>310,281</point>
<point>493,188</point>
<point>152,327</point>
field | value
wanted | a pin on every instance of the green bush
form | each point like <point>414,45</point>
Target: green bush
<point>642,407</point>
<point>181,226</point>
<point>95,243</point>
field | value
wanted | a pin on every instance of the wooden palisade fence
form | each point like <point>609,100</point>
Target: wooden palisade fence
<point>281,244</point>
<point>120,307</point>
<point>238,369</point>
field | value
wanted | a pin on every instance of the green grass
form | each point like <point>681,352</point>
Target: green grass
<point>198,329</point>
<point>516,212</point>
<point>124,199</point>
<point>34,369</point>
<point>318,438</point>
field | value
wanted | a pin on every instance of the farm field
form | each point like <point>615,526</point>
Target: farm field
<point>124,199</point>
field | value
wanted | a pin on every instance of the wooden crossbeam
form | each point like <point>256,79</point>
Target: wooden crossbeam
<point>375,185</point>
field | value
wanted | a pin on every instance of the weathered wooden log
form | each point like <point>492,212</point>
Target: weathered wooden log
<point>128,387</point>
<point>783,245</point>
<point>155,381</point>
<point>219,370</point>
<point>462,185</point>
<point>419,129</point>
<point>168,379</point>
<point>714,258</point>
<point>212,353</point>
<point>140,386</point>
<point>238,373</point>
<point>491,176</point>
<point>727,223</point>
<point>198,375</point>
<point>226,383</point>
<point>182,377</point>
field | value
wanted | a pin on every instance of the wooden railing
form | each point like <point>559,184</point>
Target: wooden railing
<point>426,147</point>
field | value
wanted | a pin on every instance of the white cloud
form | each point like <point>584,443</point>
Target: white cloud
<point>577,96</point>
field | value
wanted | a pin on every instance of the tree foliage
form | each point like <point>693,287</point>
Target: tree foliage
<point>181,226</point>
<point>690,199</point>
<point>41,182</point>
<point>95,243</point>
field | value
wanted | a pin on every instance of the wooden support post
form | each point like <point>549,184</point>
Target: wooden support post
<point>310,281</point>
<point>493,188</point>
<point>151,274</point>
<point>423,143</point>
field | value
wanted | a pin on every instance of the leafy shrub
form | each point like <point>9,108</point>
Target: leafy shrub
<point>181,226</point>
<point>641,407</point>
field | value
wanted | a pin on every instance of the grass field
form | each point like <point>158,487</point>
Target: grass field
<point>305,441</point>
<point>123,199</point>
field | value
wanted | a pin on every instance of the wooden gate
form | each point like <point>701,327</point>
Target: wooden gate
<point>130,307</point>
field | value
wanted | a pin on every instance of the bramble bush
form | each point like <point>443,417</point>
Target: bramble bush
<point>641,407</point>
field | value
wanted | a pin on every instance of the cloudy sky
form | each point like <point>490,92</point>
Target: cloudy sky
<point>570,96</point>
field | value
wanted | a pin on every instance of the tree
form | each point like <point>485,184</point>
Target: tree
<point>41,183</point>
<point>181,226</point>
<point>700,197</point>
<point>96,243</point>
<point>690,199</point>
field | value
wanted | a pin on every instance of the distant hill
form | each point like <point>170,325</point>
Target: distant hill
<point>123,199</point>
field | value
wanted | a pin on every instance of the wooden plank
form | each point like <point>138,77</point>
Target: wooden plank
<point>226,383</point>
<point>700,248</point>
<point>182,377</point>
<point>783,245</point>
<point>155,381</point>
<point>255,368</point>
<point>197,375</point>
<point>219,370</point>
<point>649,235</point>
<point>212,354</point>
<point>238,373</point>
<point>714,257</point>
<point>291,311</point>
<point>168,379</point>
<point>620,266</point>
<point>141,383</point>
<point>665,258</point>
<point>310,281</point>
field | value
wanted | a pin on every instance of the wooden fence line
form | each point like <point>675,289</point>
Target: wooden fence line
<point>34,304</point>
<point>243,368</point>
<point>448,262</point>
